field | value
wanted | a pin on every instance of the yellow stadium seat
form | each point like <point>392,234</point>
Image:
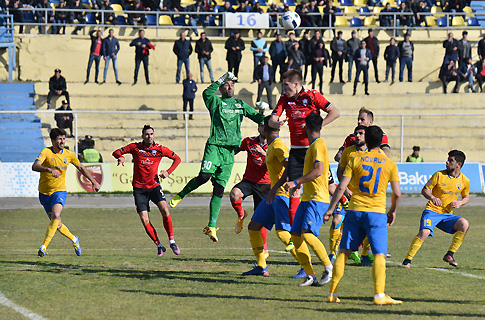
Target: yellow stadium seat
<point>118,9</point>
<point>377,9</point>
<point>185,3</point>
<point>165,20</point>
<point>467,9</point>
<point>370,22</point>
<point>436,10</point>
<point>391,2</point>
<point>53,6</point>
<point>341,22</point>
<point>320,8</point>
<point>458,21</point>
<point>349,9</point>
<point>292,8</point>
<point>220,2</point>
<point>265,8</point>
<point>431,21</point>
<point>360,3</point>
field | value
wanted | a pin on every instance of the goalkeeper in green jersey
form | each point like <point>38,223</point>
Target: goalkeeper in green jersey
<point>225,136</point>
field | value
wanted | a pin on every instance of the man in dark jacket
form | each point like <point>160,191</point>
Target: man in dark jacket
<point>464,48</point>
<point>142,46</point>
<point>406,57</point>
<point>265,76</point>
<point>372,44</point>
<point>353,44</point>
<point>362,59</point>
<point>448,73</point>
<point>339,50</point>
<point>234,46</point>
<point>57,86</point>
<point>182,49</point>
<point>466,73</point>
<point>391,54</point>
<point>190,87</point>
<point>111,46</point>
<point>77,16</point>
<point>481,49</point>
<point>296,57</point>
<point>108,15</point>
<point>203,48</point>
<point>278,53</point>
<point>136,17</point>
<point>64,120</point>
<point>95,53</point>
<point>451,49</point>
<point>43,16</point>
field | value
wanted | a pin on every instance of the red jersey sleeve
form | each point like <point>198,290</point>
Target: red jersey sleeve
<point>166,152</point>
<point>242,147</point>
<point>320,101</point>
<point>349,141</point>
<point>121,151</point>
<point>278,110</point>
<point>385,141</point>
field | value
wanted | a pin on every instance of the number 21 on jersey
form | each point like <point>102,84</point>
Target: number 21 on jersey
<point>370,179</point>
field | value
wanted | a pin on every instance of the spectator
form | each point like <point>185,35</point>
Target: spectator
<point>44,16</point>
<point>448,73</point>
<point>57,86</point>
<point>386,16</point>
<point>305,46</point>
<point>464,49</point>
<point>319,58</point>
<point>329,15</point>
<point>406,57</point>
<point>481,49</point>
<point>481,74</point>
<point>96,51</point>
<point>89,154</point>
<point>405,19</point>
<point>273,11</point>
<point>339,51</point>
<point>182,49</point>
<point>234,46</point>
<point>296,57</point>
<point>151,5</point>
<point>18,16</point>
<point>465,73</point>
<point>77,16</point>
<point>203,48</point>
<point>420,13</point>
<point>259,47</point>
<point>111,47</point>
<point>353,44</point>
<point>362,59</point>
<point>291,40</point>
<point>391,54</point>
<point>190,87</point>
<point>64,120</point>
<point>257,8</point>
<point>108,16</point>
<point>302,10</point>
<point>451,49</point>
<point>415,157</point>
<point>243,7</point>
<point>265,76</point>
<point>315,39</point>
<point>61,17</point>
<point>195,19</point>
<point>315,20</point>
<point>136,17</point>
<point>173,5</point>
<point>372,43</point>
<point>142,52</point>
<point>278,53</point>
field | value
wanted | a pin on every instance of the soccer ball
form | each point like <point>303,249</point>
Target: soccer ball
<point>290,20</point>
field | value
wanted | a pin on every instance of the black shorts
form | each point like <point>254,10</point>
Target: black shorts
<point>143,197</point>
<point>249,188</point>
<point>296,162</point>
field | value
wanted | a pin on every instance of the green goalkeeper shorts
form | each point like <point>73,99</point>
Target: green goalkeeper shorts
<point>218,160</point>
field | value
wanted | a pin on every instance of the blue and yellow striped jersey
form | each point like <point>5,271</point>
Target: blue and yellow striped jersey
<point>447,189</point>
<point>316,189</point>
<point>58,161</point>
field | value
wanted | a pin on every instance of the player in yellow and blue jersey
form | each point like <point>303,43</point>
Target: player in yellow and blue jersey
<point>273,210</point>
<point>442,190</point>
<point>52,164</point>
<point>314,201</point>
<point>368,174</point>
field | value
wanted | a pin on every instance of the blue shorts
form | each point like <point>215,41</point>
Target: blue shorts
<point>309,215</point>
<point>48,201</point>
<point>274,214</point>
<point>341,211</point>
<point>359,224</point>
<point>443,221</point>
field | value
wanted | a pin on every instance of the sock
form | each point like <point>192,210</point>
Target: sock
<point>264,235</point>
<point>189,187</point>
<point>303,255</point>
<point>338,272</point>
<point>343,199</point>
<point>214,208</point>
<point>365,247</point>
<point>237,205</point>
<point>258,247</point>
<point>50,232</point>
<point>285,237</point>
<point>414,247</point>
<point>167,223</point>
<point>457,241</point>
<point>294,202</point>
<point>65,232</point>
<point>334,239</point>
<point>317,247</point>
<point>379,273</point>
<point>152,233</point>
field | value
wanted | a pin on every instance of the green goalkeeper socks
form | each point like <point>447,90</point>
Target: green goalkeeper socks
<point>214,207</point>
<point>189,187</point>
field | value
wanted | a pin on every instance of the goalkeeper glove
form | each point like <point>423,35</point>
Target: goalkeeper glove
<point>262,106</point>
<point>227,76</point>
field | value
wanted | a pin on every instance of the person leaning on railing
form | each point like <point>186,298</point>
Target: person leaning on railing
<point>44,16</point>
<point>108,15</point>
<point>77,16</point>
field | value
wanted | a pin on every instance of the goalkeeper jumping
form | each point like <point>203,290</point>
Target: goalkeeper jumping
<point>225,136</point>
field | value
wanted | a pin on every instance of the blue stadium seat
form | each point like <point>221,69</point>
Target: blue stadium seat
<point>442,22</point>
<point>212,20</point>
<point>90,18</point>
<point>473,22</point>
<point>399,2</point>
<point>356,22</point>
<point>179,21</point>
<point>338,11</point>
<point>54,1</point>
<point>289,2</point>
<point>151,19</point>
<point>364,10</point>
<point>262,2</point>
<point>234,2</point>
<point>114,2</point>
<point>121,20</point>
<point>346,3</point>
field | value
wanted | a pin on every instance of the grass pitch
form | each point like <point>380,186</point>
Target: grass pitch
<point>119,275</point>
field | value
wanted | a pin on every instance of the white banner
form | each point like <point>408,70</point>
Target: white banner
<point>246,20</point>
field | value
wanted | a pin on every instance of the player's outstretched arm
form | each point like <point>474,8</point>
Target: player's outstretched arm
<point>336,197</point>
<point>338,155</point>
<point>428,195</point>
<point>310,176</point>
<point>396,197</point>
<point>332,114</point>
<point>85,172</point>
<point>274,122</point>
<point>38,167</point>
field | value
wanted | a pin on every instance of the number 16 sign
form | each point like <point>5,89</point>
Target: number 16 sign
<point>249,20</point>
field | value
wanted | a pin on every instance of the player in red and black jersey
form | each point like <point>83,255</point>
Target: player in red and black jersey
<point>146,184</point>
<point>255,180</point>
<point>298,103</point>
<point>366,119</point>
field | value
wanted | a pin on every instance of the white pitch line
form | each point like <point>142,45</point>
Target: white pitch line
<point>469,275</point>
<point>23,311</point>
